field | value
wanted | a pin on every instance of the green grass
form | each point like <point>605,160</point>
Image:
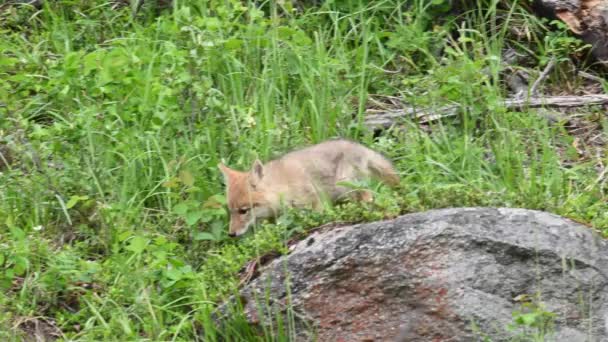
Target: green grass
<point>111,218</point>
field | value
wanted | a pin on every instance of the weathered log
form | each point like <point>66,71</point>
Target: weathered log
<point>586,18</point>
<point>379,119</point>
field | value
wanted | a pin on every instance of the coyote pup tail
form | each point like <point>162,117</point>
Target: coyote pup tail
<point>383,169</point>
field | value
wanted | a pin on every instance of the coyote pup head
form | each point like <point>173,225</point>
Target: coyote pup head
<point>246,197</point>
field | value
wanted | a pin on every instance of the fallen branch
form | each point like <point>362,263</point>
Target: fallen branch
<point>382,119</point>
<point>543,75</point>
<point>591,77</point>
<point>569,101</point>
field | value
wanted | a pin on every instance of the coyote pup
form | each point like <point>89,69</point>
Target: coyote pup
<point>302,178</point>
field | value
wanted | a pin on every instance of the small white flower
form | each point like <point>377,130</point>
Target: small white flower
<point>38,228</point>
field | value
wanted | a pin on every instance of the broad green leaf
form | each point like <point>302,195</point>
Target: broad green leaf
<point>233,44</point>
<point>72,60</point>
<point>300,38</point>
<point>137,244</point>
<point>20,266</point>
<point>212,23</point>
<point>217,228</point>
<point>285,32</point>
<point>92,61</point>
<point>171,183</point>
<point>181,208</point>
<point>200,236</point>
<point>215,201</point>
<point>207,215</point>
<point>8,61</point>
<point>193,216</point>
<point>9,273</point>
<point>124,235</point>
<point>173,274</point>
<point>74,200</point>
<point>186,177</point>
<point>529,318</point>
<point>17,233</point>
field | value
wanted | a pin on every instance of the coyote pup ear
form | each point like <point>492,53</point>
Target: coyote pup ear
<point>257,172</point>
<point>226,171</point>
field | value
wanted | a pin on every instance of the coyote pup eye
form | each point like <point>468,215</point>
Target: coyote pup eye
<point>243,211</point>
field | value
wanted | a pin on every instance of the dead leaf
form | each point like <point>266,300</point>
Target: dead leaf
<point>571,20</point>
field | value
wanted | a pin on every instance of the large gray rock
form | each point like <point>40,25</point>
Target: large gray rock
<point>442,275</point>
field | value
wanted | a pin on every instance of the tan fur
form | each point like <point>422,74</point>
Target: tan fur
<point>302,178</point>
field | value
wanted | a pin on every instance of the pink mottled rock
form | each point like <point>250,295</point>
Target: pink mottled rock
<point>442,275</point>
